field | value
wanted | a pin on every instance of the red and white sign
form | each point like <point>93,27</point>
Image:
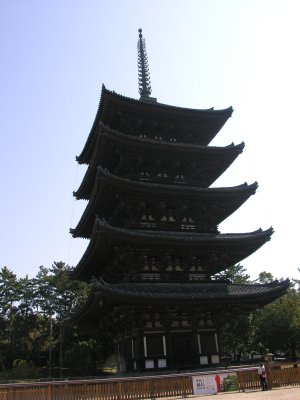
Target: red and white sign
<point>205,384</point>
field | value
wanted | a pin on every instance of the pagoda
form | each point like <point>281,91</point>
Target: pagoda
<point>155,251</point>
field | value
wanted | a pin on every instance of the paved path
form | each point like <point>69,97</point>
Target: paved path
<point>288,393</point>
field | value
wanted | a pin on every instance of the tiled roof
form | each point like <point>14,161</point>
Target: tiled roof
<point>189,190</point>
<point>138,103</point>
<point>211,295</point>
<point>215,159</point>
<point>116,135</point>
<point>104,237</point>
<point>106,94</point>
<point>184,237</point>
<point>207,292</point>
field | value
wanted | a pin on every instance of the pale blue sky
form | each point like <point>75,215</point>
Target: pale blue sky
<point>56,54</point>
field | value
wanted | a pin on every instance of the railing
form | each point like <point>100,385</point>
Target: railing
<point>284,377</point>
<point>106,389</point>
<point>279,375</point>
<point>145,387</point>
<point>248,380</point>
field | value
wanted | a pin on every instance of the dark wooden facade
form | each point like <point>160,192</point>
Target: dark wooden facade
<point>155,247</point>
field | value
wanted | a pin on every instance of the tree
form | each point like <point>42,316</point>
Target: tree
<point>278,325</point>
<point>78,358</point>
<point>30,308</point>
<point>9,297</point>
<point>265,277</point>
<point>235,330</point>
<point>297,281</point>
<point>67,294</point>
<point>239,332</point>
<point>57,296</point>
<point>234,274</point>
<point>237,335</point>
<point>9,291</point>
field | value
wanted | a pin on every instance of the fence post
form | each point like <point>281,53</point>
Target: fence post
<point>270,379</point>
<point>119,390</point>
<point>152,396</point>
<point>49,392</point>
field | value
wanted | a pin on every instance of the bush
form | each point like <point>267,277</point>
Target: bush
<point>23,369</point>
<point>78,359</point>
<point>230,383</point>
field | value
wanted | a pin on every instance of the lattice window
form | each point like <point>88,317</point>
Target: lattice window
<point>155,346</point>
<point>208,343</point>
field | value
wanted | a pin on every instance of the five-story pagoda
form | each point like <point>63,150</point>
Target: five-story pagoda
<point>152,220</point>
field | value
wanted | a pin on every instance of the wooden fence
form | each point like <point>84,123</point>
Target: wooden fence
<point>279,376</point>
<point>146,387</point>
<point>112,389</point>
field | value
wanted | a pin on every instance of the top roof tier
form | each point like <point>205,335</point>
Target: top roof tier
<point>155,121</point>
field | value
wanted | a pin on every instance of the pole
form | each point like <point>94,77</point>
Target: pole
<point>50,346</point>
<point>60,348</point>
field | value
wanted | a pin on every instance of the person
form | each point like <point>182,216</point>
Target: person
<point>262,377</point>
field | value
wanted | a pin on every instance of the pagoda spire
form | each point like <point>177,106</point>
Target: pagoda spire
<point>143,70</point>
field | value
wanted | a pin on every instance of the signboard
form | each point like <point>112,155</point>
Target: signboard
<point>204,384</point>
<point>212,384</point>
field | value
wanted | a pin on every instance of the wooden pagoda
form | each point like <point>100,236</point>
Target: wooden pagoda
<point>152,223</point>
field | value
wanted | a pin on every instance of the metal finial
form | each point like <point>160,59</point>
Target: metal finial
<point>143,68</point>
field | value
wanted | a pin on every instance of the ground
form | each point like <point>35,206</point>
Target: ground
<point>288,393</point>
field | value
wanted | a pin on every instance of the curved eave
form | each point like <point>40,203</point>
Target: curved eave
<point>85,225</point>
<point>95,256</point>
<point>150,145</point>
<point>112,97</point>
<point>210,295</point>
<point>87,311</point>
<point>105,237</point>
<point>88,148</point>
<point>204,293</point>
<point>138,103</point>
<point>109,101</point>
<point>108,139</point>
<point>86,187</point>
<point>108,185</point>
<point>184,192</point>
<point>180,238</point>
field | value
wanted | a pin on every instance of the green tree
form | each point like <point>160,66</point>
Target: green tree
<point>67,294</point>
<point>265,277</point>
<point>57,295</point>
<point>9,291</point>
<point>78,358</point>
<point>27,291</point>
<point>235,274</point>
<point>237,335</point>
<point>235,330</point>
<point>297,281</point>
<point>239,331</point>
<point>278,325</point>
<point>9,298</point>
<point>30,308</point>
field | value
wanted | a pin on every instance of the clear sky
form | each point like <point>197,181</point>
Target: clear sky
<point>56,54</point>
